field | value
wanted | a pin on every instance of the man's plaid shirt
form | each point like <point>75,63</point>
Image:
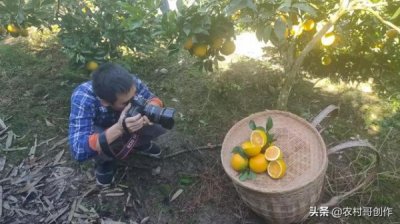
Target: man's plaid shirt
<point>87,112</point>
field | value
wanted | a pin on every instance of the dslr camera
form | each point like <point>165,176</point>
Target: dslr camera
<point>159,115</point>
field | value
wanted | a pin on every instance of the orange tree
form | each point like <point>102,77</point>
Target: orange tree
<point>341,39</point>
<point>17,16</point>
<point>204,30</point>
<point>330,38</point>
<point>320,31</point>
<point>101,30</point>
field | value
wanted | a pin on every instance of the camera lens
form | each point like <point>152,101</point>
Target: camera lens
<point>162,116</point>
<point>153,113</point>
<point>167,118</point>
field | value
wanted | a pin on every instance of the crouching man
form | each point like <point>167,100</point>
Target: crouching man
<point>99,127</point>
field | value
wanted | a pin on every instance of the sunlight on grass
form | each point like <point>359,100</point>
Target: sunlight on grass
<point>327,85</point>
<point>331,87</point>
<point>41,38</point>
<point>362,97</point>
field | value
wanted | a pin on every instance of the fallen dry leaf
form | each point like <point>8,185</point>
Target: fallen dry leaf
<point>145,220</point>
<point>177,193</point>
<point>48,123</point>
<point>2,162</point>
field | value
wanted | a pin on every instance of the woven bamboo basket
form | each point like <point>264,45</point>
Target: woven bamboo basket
<point>286,200</point>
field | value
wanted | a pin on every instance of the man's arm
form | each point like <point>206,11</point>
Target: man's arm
<point>81,125</point>
<point>144,91</point>
<point>84,142</point>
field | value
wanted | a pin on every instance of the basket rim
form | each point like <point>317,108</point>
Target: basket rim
<point>322,171</point>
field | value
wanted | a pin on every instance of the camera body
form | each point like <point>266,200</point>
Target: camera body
<point>159,115</point>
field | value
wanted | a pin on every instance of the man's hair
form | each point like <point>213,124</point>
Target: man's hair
<point>109,80</point>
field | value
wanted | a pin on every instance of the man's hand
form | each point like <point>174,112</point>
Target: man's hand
<point>134,123</point>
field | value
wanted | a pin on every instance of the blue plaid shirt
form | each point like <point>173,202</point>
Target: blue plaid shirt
<point>87,112</point>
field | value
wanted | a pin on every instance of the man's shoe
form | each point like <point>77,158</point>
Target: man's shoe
<point>105,174</point>
<point>153,150</point>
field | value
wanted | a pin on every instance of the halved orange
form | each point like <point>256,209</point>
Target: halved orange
<point>258,138</point>
<point>250,149</point>
<point>273,153</point>
<point>277,169</point>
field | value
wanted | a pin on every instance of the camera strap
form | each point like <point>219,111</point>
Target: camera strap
<point>105,148</point>
<point>124,126</point>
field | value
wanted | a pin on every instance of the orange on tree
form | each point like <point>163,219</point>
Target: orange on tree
<point>188,44</point>
<point>250,149</point>
<point>200,50</point>
<point>239,162</point>
<point>392,33</point>
<point>326,60</point>
<point>228,47</point>
<point>258,163</point>
<point>308,25</point>
<point>13,30</point>
<point>92,65</point>
<point>217,42</point>
<point>328,39</point>
<point>273,153</point>
<point>258,138</point>
<point>277,169</point>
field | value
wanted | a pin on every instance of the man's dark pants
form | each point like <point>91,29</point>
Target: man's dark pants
<point>146,134</point>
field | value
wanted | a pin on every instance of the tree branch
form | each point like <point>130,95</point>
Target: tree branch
<point>387,23</point>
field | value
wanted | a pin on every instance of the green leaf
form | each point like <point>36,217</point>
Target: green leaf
<point>252,125</point>
<point>263,32</point>
<point>285,6</point>
<point>187,28</point>
<point>180,5</point>
<point>266,35</point>
<point>236,5</point>
<point>47,2</point>
<point>270,138</point>
<point>173,51</point>
<point>20,17</point>
<point>186,181</point>
<point>252,175</point>
<point>244,175</point>
<point>237,149</point>
<point>251,5</point>
<point>280,28</point>
<point>269,124</point>
<point>305,8</point>
<point>396,14</point>
<point>260,128</point>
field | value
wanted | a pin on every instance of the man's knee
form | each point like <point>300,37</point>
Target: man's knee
<point>153,130</point>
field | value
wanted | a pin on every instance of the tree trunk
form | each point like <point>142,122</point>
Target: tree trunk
<point>283,97</point>
<point>293,68</point>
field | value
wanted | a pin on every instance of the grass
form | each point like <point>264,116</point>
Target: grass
<point>35,86</point>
